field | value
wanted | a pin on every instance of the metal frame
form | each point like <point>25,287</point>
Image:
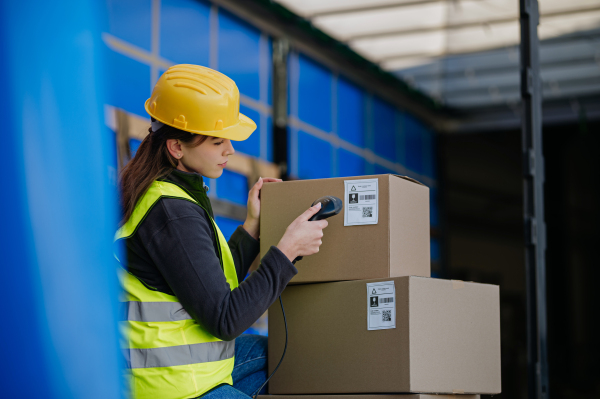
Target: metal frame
<point>281,48</point>
<point>533,202</point>
<point>277,21</point>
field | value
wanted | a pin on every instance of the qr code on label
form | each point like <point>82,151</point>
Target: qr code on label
<point>367,212</point>
<point>386,315</point>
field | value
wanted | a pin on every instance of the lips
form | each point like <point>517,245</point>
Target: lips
<point>223,164</point>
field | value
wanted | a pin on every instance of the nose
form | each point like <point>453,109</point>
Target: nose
<point>228,148</point>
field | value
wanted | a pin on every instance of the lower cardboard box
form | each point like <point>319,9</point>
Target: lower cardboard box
<point>395,335</point>
<point>370,396</point>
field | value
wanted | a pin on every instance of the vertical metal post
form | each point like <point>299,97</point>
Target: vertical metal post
<point>281,50</point>
<point>533,202</point>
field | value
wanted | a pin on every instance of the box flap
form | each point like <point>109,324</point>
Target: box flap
<point>409,179</point>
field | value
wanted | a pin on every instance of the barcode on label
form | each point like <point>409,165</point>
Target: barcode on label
<point>367,197</point>
<point>386,300</point>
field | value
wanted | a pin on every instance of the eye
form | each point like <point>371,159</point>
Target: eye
<point>219,142</point>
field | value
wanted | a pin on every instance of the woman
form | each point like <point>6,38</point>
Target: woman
<point>187,304</point>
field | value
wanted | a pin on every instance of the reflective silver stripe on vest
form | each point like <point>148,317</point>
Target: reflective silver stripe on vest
<point>155,311</point>
<point>179,355</point>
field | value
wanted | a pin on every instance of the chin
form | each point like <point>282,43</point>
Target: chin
<point>214,174</point>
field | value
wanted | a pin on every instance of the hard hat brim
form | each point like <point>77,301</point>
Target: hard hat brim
<point>238,132</point>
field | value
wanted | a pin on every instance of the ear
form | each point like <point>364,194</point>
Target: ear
<point>174,147</point>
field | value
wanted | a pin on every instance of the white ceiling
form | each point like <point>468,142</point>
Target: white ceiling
<point>465,52</point>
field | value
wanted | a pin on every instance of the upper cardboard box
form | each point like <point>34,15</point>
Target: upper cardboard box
<point>397,245</point>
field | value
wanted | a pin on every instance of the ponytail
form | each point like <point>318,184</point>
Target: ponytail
<point>152,161</point>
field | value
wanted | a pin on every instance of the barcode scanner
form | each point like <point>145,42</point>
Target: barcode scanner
<point>330,206</point>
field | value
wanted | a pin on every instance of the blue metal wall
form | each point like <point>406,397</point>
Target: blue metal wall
<point>144,37</point>
<point>58,205</point>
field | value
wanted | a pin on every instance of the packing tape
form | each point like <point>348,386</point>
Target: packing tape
<point>458,284</point>
<point>458,391</point>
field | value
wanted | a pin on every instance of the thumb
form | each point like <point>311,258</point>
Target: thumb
<point>257,186</point>
<point>310,212</point>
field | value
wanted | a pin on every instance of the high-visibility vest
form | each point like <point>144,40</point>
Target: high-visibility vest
<point>169,355</point>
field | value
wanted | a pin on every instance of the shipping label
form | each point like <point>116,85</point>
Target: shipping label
<point>361,202</point>
<point>381,305</point>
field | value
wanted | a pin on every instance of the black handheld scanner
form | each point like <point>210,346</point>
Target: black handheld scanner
<point>330,206</point>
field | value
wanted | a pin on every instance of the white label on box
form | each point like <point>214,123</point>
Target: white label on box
<point>361,201</point>
<point>381,305</point>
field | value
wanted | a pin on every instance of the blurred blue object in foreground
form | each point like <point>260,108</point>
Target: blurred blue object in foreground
<point>58,205</point>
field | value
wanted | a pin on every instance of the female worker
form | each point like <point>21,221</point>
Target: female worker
<point>186,302</point>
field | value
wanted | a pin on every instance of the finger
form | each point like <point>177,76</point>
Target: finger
<point>258,185</point>
<point>310,212</point>
<point>255,190</point>
<point>321,224</point>
<point>271,179</point>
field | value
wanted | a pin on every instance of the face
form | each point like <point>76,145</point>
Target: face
<point>208,159</point>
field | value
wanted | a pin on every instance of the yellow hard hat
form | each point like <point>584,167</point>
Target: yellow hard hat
<point>199,100</point>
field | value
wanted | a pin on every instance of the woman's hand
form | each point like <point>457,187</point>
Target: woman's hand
<point>252,223</point>
<point>302,237</point>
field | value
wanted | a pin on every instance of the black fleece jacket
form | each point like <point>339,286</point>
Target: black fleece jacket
<point>174,251</point>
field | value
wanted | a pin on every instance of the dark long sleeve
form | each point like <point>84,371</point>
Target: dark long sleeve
<point>244,249</point>
<point>178,240</point>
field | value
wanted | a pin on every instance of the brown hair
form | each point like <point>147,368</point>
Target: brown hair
<point>152,161</point>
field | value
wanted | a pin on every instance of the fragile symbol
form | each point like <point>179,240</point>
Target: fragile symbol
<point>374,301</point>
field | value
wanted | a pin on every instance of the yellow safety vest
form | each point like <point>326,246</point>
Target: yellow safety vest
<point>169,355</point>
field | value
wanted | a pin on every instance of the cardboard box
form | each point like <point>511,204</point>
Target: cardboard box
<point>398,245</point>
<point>370,396</point>
<point>446,339</point>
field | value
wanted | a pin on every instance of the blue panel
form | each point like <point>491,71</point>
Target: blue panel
<point>314,157</point>
<point>269,60</point>
<point>227,225</point>
<point>134,144</point>
<point>350,113</point>
<point>413,144</point>
<point>233,187</point>
<point>384,129</point>
<point>131,21</point>
<point>382,170</point>
<point>435,250</point>
<point>429,164</point>
<point>239,55</point>
<point>350,164</point>
<point>128,83</point>
<point>59,335</point>
<point>250,146</point>
<point>314,94</point>
<point>185,31</point>
<point>401,139</point>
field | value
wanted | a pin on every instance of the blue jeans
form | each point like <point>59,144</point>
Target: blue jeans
<point>249,370</point>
